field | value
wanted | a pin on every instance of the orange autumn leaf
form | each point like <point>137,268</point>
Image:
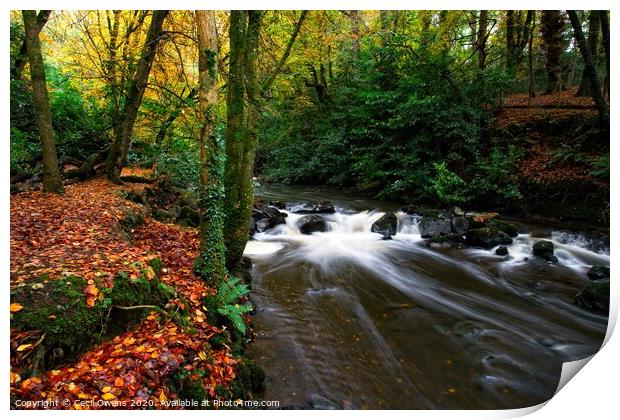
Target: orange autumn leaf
<point>119,382</point>
<point>15,307</point>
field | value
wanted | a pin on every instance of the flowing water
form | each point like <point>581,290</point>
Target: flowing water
<point>349,320</point>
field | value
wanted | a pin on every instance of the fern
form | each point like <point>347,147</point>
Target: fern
<point>228,293</point>
<point>234,313</point>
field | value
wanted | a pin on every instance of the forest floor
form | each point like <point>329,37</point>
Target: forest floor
<point>77,233</point>
<point>558,134</point>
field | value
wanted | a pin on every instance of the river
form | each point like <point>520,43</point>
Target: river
<point>345,319</point>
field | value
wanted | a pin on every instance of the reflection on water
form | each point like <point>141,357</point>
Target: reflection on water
<point>349,320</point>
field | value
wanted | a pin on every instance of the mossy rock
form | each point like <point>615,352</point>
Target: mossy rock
<point>250,379</point>
<point>133,217</point>
<point>508,228</point>
<point>487,238</point>
<point>189,217</point>
<point>189,389</point>
<point>598,272</point>
<point>594,297</point>
<point>58,309</point>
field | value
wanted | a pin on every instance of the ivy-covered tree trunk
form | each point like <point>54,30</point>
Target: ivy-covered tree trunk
<point>552,22</point>
<point>236,229</point>
<point>210,264</point>
<point>594,32</point>
<point>51,175</point>
<point>118,151</point>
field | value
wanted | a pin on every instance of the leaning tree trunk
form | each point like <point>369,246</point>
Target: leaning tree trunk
<point>481,40</point>
<point>595,84</point>
<point>236,229</point>
<point>51,175</point>
<point>133,97</point>
<point>594,29</point>
<point>211,262</point>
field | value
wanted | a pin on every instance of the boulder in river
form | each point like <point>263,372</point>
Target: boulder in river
<point>386,225</point>
<point>501,250</point>
<point>445,241</point>
<point>267,217</point>
<point>435,226</point>
<point>281,205</point>
<point>487,238</point>
<point>314,208</point>
<point>594,297</point>
<point>544,249</point>
<point>459,225</point>
<point>311,223</point>
<point>508,228</point>
<point>598,272</point>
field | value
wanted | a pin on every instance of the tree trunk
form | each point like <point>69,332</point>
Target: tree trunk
<point>22,56</point>
<point>552,22</point>
<point>51,175</point>
<point>133,98</point>
<point>211,263</point>
<point>595,84</point>
<point>594,30</point>
<point>510,40</point>
<point>530,62</point>
<point>165,126</point>
<point>236,228</point>
<point>605,31</point>
<point>481,39</point>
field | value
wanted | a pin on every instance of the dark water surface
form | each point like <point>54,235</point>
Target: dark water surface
<point>345,319</point>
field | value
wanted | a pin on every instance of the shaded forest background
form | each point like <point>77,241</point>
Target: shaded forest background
<point>399,105</point>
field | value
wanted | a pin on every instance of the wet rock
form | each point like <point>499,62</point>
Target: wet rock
<point>267,217</point>
<point>311,223</point>
<point>252,227</point>
<point>386,225</point>
<point>508,228</point>
<point>314,208</point>
<point>435,226</point>
<point>598,272</point>
<point>245,263</point>
<point>189,217</point>
<point>459,225</point>
<point>501,251</point>
<point>445,241</point>
<point>457,211</point>
<point>263,224</point>
<point>487,238</point>
<point>321,403</point>
<point>594,297</point>
<point>411,210</point>
<point>278,204</point>
<point>481,220</point>
<point>544,250</point>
